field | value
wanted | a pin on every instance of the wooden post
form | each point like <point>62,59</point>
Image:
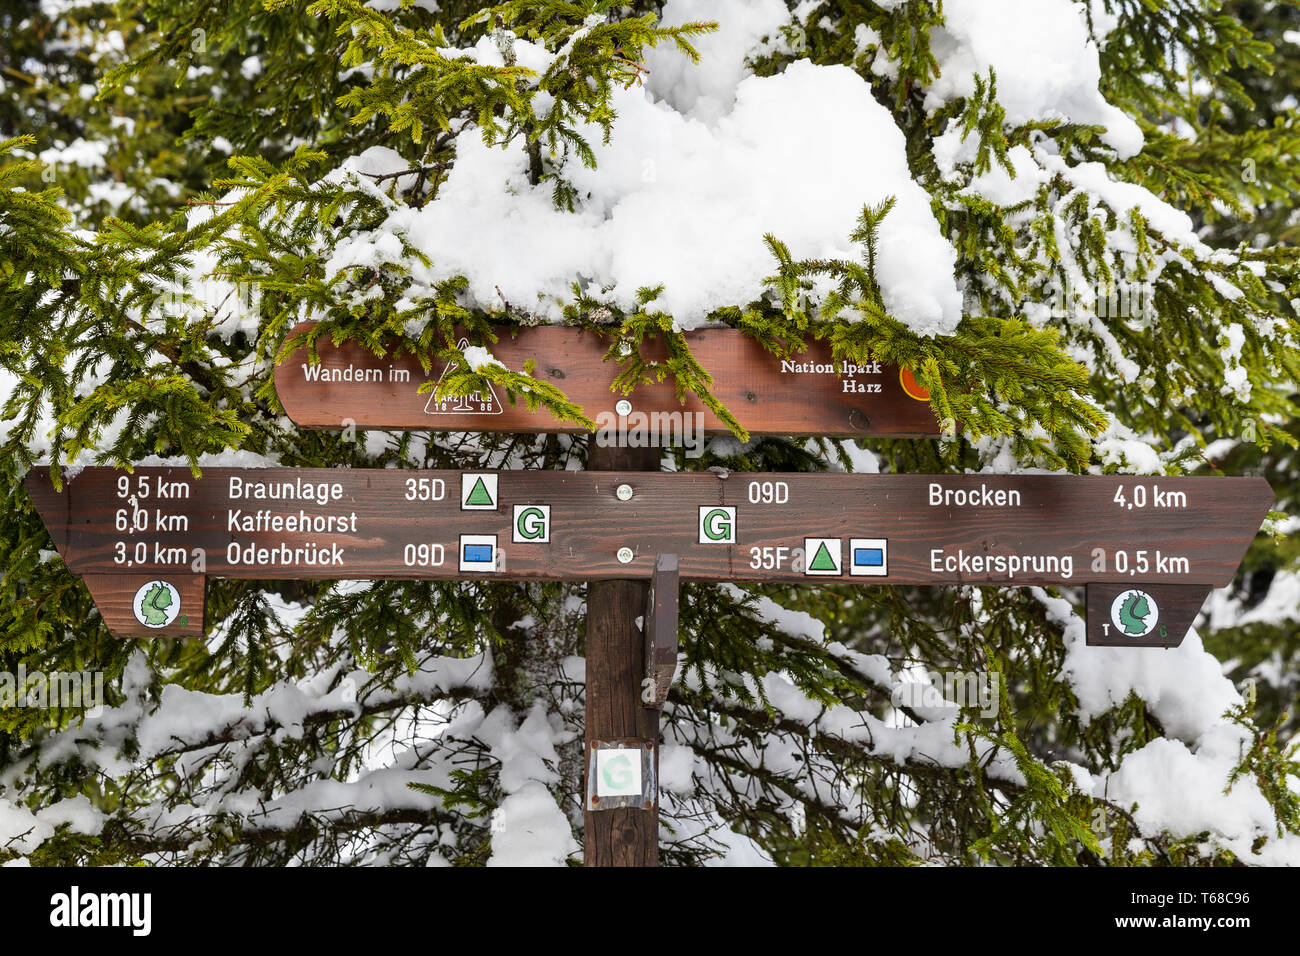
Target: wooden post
<point>615,655</point>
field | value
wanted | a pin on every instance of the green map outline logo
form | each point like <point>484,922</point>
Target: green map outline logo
<point>1134,613</point>
<point>157,603</point>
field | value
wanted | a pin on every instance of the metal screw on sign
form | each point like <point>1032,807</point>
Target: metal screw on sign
<point>625,555</point>
<point>623,407</point>
<point>624,492</point>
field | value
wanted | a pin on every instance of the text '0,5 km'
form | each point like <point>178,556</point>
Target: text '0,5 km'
<point>162,526</point>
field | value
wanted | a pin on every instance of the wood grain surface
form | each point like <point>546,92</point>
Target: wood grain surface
<point>863,529</point>
<point>376,530</point>
<point>614,651</point>
<point>352,385</point>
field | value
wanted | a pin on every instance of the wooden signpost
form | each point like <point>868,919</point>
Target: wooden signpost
<point>620,733</point>
<point>808,395</point>
<point>1147,550</point>
<point>144,541</point>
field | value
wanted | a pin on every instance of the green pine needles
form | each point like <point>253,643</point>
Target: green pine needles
<point>1124,310</point>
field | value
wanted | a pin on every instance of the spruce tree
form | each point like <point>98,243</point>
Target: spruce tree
<point>194,180</point>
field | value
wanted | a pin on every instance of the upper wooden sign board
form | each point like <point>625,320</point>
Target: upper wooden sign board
<point>810,394</point>
<point>148,539</point>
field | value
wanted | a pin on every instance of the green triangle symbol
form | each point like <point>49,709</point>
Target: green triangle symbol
<point>478,495</point>
<point>822,560</point>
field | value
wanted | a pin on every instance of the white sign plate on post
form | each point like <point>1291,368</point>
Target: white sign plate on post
<point>621,773</point>
<point>618,772</point>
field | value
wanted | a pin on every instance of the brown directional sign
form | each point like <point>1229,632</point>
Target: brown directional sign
<point>1147,615</point>
<point>810,394</point>
<point>142,539</point>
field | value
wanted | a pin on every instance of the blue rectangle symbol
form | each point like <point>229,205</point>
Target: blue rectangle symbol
<point>481,553</point>
<point>868,557</point>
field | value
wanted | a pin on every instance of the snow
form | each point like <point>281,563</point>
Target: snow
<point>1236,380</point>
<point>1035,167</point>
<point>1103,21</point>
<point>676,767</point>
<point>996,184</point>
<point>382,161</point>
<point>702,162</point>
<point>116,195</point>
<point>931,742</point>
<point>1119,445</point>
<point>20,829</point>
<point>76,813</point>
<point>706,91</point>
<point>1183,687</point>
<point>1122,197</point>
<point>536,832</point>
<point>183,717</point>
<point>1281,604</point>
<point>1175,784</point>
<point>795,623</point>
<point>80,152</point>
<point>863,460</point>
<point>1046,64</point>
<point>533,829</point>
<point>478,357</point>
<point>1181,789</point>
<point>738,849</point>
<point>23,831</point>
<point>685,204</point>
<point>56,8</point>
<point>1177,781</point>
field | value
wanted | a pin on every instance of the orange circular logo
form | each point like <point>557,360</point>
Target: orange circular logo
<point>912,387</point>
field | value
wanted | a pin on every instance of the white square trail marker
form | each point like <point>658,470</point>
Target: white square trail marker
<point>621,774</point>
<point>822,556</point>
<point>532,523</point>
<point>478,552</point>
<point>618,772</point>
<point>478,492</point>
<point>869,557</point>
<point>717,524</point>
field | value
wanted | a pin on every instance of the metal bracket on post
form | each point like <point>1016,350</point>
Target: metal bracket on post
<point>660,630</point>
